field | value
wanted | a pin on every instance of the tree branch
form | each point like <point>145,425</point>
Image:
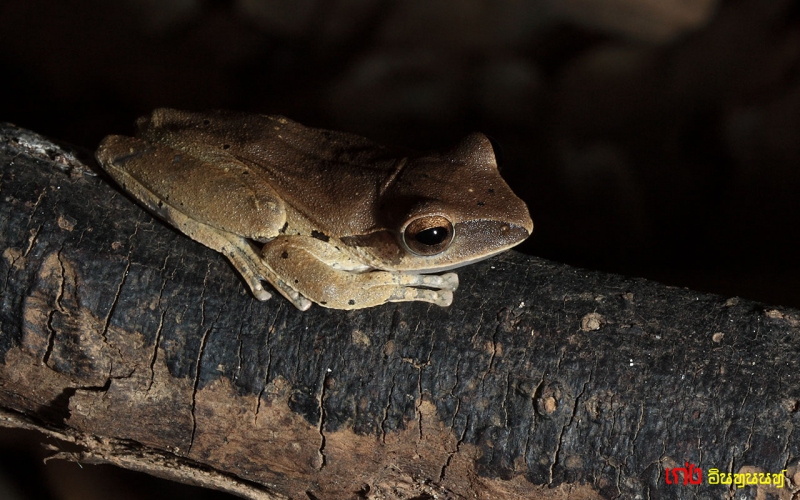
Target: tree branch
<point>139,347</point>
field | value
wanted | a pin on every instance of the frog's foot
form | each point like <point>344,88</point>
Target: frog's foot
<point>447,281</point>
<point>258,290</point>
<point>292,295</point>
<point>255,272</point>
<point>436,289</point>
<point>441,298</point>
<point>379,287</point>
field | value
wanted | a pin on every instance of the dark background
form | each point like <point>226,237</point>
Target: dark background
<point>655,138</point>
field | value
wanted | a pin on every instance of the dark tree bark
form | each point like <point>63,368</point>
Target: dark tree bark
<point>541,381</point>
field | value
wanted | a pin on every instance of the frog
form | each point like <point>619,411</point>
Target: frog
<point>324,217</point>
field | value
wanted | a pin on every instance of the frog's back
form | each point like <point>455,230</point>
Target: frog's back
<point>333,178</point>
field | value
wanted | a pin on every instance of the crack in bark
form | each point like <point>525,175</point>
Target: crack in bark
<point>535,395</point>
<point>452,394</point>
<point>639,422</point>
<point>785,449</point>
<point>80,237</point>
<point>478,326</point>
<point>748,443</point>
<point>564,428</point>
<point>198,366</point>
<point>749,389</point>
<point>506,423</point>
<point>419,368</point>
<point>195,385</point>
<point>560,359</point>
<point>8,273</point>
<point>99,388</point>
<point>268,368</point>
<point>157,339</point>
<point>386,412</point>
<point>34,237</point>
<point>238,372</point>
<point>451,454</point>
<point>491,358</point>
<point>58,308</point>
<point>199,361</point>
<point>322,417</point>
<point>203,296</point>
<point>156,343</point>
<point>36,205</point>
<point>118,293</point>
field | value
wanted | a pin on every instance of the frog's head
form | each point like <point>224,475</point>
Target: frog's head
<point>450,209</point>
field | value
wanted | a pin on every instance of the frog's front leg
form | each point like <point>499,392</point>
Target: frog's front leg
<point>319,272</point>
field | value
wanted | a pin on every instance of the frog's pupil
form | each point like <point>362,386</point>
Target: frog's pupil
<point>432,236</point>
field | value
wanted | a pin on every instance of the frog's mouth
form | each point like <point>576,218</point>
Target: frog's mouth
<point>435,270</point>
<point>473,241</point>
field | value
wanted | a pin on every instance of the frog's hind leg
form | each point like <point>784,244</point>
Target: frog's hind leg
<point>307,265</point>
<point>240,252</point>
<point>254,271</point>
<point>224,194</point>
<point>244,257</point>
<point>225,203</point>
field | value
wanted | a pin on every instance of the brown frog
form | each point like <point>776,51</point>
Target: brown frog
<point>323,216</point>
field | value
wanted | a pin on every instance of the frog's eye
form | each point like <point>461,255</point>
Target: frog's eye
<point>428,235</point>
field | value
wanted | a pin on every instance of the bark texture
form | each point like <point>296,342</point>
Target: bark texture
<point>138,347</point>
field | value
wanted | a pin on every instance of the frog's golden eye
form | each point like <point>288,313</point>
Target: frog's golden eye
<point>428,235</point>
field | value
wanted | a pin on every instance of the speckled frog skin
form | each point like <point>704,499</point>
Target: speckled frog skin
<point>323,216</point>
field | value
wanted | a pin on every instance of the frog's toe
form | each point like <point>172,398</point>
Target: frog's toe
<point>261,294</point>
<point>302,303</point>
<point>444,297</point>
<point>294,296</point>
<point>449,281</point>
<point>406,294</point>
